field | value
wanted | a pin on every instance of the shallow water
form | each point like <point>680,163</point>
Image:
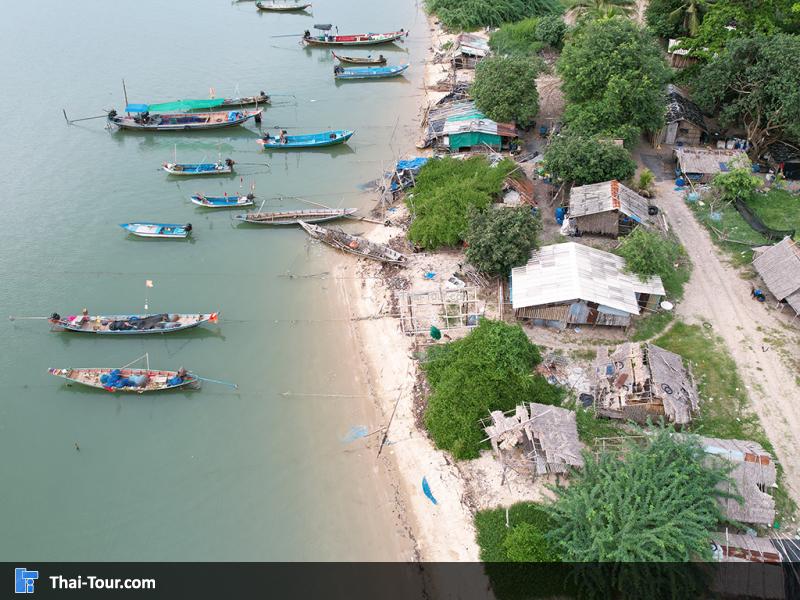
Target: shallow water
<point>219,474</point>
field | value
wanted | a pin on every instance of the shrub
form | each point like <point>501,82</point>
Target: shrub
<point>531,522</point>
<point>583,160</point>
<point>505,88</point>
<point>517,39</point>
<point>490,369</point>
<point>737,183</point>
<point>498,240</point>
<point>648,253</point>
<point>446,190</point>
<point>468,15</point>
<point>551,30</point>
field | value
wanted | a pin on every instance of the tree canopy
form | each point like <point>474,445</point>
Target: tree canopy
<point>505,88</point>
<point>614,75</point>
<point>489,369</point>
<point>598,9</point>
<point>468,15</point>
<point>736,183</point>
<point>649,253</point>
<point>675,18</point>
<point>755,81</point>
<point>529,36</point>
<point>498,240</point>
<point>584,160</point>
<point>657,504</point>
<point>445,191</point>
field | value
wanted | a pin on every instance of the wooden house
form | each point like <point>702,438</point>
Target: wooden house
<point>679,58</point>
<point>779,269</point>
<point>702,164</point>
<point>685,123</point>
<point>607,208</point>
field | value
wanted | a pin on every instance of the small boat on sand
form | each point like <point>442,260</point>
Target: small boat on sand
<point>182,121</point>
<point>275,7</point>
<point>354,245</point>
<point>340,72</point>
<point>356,39</point>
<point>311,140</point>
<point>137,381</point>
<point>358,60</point>
<point>130,324</point>
<point>187,169</point>
<point>223,201</point>
<point>294,217</point>
<point>158,230</point>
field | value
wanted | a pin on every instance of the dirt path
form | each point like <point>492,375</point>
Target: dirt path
<point>717,294</point>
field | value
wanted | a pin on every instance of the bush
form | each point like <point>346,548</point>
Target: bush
<point>468,15</point>
<point>498,240</point>
<point>737,183</point>
<point>551,30</point>
<point>648,253</point>
<point>446,190</point>
<point>517,39</point>
<point>583,160</point>
<point>528,523</point>
<point>505,88</point>
<point>490,369</point>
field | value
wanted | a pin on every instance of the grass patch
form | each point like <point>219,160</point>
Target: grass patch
<point>651,325</point>
<point>590,428</point>
<point>778,209</point>
<point>583,354</point>
<point>724,406</point>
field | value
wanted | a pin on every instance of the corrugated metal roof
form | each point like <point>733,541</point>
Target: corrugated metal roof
<point>608,195</point>
<point>708,160</point>
<point>472,45</point>
<point>456,125</point>
<point>779,267</point>
<point>570,271</point>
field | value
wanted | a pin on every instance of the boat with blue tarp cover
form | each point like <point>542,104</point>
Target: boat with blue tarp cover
<point>129,380</point>
<point>221,167</point>
<point>236,201</point>
<point>158,230</point>
<point>311,140</point>
<point>340,72</point>
<point>140,118</point>
<point>293,217</point>
<point>130,324</point>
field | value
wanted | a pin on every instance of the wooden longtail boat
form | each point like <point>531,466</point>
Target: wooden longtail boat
<point>293,217</point>
<point>357,39</point>
<point>129,380</point>
<point>183,121</point>
<point>358,60</point>
<point>187,169</point>
<point>131,324</point>
<point>312,140</point>
<point>223,201</point>
<point>354,244</point>
<point>272,7</point>
<point>260,98</point>
<point>158,230</point>
<point>368,72</point>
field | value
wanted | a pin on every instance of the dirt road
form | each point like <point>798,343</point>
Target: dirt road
<point>718,295</point>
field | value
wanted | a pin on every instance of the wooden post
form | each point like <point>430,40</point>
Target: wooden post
<point>125,93</point>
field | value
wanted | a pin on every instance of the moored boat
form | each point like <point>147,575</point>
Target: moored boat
<point>356,39</point>
<point>130,324</point>
<point>187,169</point>
<point>359,60</point>
<point>294,217</point>
<point>312,140</point>
<point>158,230</point>
<point>275,7</point>
<point>129,380</point>
<point>354,245</point>
<point>340,72</point>
<point>261,98</point>
<point>182,121</point>
<point>223,201</point>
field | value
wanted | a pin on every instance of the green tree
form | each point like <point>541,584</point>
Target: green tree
<point>525,543</point>
<point>614,75</point>
<point>755,82</point>
<point>551,30</point>
<point>583,160</point>
<point>689,14</point>
<point>649,253</point>
<point>737,183</point>
<point>445,191</point>
<point>490,369</point>
<point>659,503</point>
<point>657,18</point>
<point>468,15</point>
<point>505,88</point>
<point>600,9</point>
<point>498,240</point>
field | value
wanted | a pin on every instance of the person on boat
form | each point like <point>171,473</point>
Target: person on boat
<point>282,139</point>
<point>229,162</point>
<point>188,227</point>
<point>338,69</point>
<point>266,137</point>
<point>306,35</point>
<point>381,59</point>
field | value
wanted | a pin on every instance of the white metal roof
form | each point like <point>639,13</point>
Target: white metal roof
<point>606,196</point>
<point>570,271</point>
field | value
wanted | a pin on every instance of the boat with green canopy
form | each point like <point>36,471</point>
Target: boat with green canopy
<point>160,117</point>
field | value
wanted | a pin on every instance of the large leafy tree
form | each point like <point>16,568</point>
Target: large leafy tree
<point>505,88</point>
<point>648,253</point>
<point>659,503</point>
<point>490,369</point>
<point>676,18</point>
<point>584,160</point>
<point>755,82</point>
<point>498,240</point>
<point>614,74</point>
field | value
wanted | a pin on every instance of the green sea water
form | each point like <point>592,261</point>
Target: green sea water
<point>220,474</point>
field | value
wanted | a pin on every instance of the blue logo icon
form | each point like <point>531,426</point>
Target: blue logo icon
<point>24,580</point>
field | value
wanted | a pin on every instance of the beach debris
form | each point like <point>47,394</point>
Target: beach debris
<point>455,282</point>
<point>426,489</point>
<point>429,275</point>
<point>436,332</point>
<point>356,432</point>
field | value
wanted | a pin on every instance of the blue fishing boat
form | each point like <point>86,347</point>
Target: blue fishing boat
<point>311,140</point>
<point>218,168</point>
<point>223,201</point>
<point>158,230</point>
<point>340,72</point>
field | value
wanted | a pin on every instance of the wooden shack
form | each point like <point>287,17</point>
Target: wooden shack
<point>702,164</point>
<point>608,208</point>
<point>685,123</point>
<point>779,269</point>
<point>679,58</point>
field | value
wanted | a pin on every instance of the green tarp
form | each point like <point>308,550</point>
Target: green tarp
<point>468,139</point>
<point>183,105</point>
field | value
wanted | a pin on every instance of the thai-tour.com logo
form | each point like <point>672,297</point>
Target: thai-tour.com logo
<point>24,580</point>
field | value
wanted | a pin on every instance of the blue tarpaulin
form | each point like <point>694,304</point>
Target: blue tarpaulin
<point>413,164</point>
<point>137,108</point>
<point>426,489</point>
